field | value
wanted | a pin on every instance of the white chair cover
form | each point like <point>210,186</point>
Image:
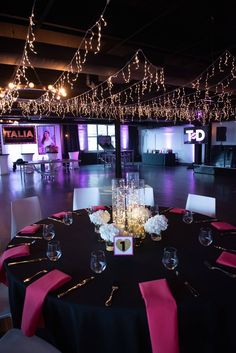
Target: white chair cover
<point>4,302</point>
<point>85,197</point>
<point>14,341</point>
<point>149,196</point>
<point>201,204</point>
<point>24,212</point>
<point>74,155</point>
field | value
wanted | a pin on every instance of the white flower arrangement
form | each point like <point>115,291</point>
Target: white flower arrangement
<point>139,212</point>
<point>156,224</point>
<point>100,217</point>
<point>109,231</point>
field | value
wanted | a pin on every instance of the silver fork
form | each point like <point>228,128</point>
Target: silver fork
<point>192,290</point>
<point>36,274</point>
<point>211,267</point>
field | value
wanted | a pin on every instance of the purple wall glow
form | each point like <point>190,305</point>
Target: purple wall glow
<point>83,137</point>
<point>124,136</point>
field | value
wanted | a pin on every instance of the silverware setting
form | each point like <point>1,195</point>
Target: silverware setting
<point>27,236</point>
<point>27,261</point>
<point>167,210</point>
<point>80,284</point>
<point>57,220</point>
<point>224,249</point>
<point>228,232</point>
<point>192,290</point>
<point>18,244</point>
<point>114,288</point>
<point>36,274</point>
<point>206,220</point>
<point>211,267</point>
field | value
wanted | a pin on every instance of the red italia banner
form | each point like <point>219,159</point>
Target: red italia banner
<point>18,134</point>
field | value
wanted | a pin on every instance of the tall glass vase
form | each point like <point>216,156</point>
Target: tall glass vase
<point>119,202</point>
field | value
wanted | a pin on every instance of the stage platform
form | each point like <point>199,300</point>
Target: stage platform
<point>213,170</point>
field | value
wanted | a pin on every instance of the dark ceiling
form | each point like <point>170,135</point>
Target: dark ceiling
<point>184,37</point>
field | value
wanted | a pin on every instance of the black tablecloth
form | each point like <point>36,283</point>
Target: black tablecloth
<point>81,323</point>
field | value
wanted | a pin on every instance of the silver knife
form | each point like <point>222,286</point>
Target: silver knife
<point>27,261</point>
<point>27,237</point>
<point>80,284</point>
<point>224,249</point>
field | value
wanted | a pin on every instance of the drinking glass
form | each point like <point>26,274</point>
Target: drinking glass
<point>48,231</point>
<point>98,261</point>
<point>54,250</point>
<point>68,218</point>
<point>170,258</point>
<point>205,236</point>
<point>188,217</point>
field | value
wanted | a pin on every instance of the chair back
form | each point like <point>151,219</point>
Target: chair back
<point>4,302</point>
<point>14,341</point>
<point>201,204</point>
<point>85,197</point>
<point>24,212</point>
<point>149,196</point>
<point>74,155</point>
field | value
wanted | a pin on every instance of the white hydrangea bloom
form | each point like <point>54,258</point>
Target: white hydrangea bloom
<point>108,232</point>
<point>100,217</point>
<point>156,224</point>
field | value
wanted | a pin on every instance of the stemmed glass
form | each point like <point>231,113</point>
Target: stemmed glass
<point>188,217</point>
<point>170,259</point>
<point>48,231</point>
<point>54,250</point>
<point>205,236</point>
<point>98,261</point>
<point>68,218</point>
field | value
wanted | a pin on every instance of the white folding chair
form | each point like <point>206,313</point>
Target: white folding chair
<point>24,212</point>
<point>4,302</point>
<point>149,196</point>
<point>85,197</point>
<point>201,204</point>
<point>14,341</point>
<point>74,155</point>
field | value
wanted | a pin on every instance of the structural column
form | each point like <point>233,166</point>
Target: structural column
<point>118,148</point>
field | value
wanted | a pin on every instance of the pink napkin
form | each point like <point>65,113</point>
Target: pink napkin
<point>59,214</point>
<point>34,228</point>
<point>34,299</point>
<point>162,316</point>
<point>17,251</point>
<point>177,210</point>
<point>223,226</point>
<point>227,259</point>
<point>99,207</point>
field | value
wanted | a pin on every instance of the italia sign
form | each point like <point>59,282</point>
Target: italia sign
<point>18,134</point>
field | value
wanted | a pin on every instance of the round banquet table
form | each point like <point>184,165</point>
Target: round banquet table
<point>79,322</point>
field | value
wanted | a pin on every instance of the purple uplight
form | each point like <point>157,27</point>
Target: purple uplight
<point>82,131</point>
<point>124,134</point>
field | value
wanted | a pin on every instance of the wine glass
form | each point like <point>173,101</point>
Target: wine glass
<point>205,236</point>
<point>170,258</point>
<point>48,231</point>
<point>188,217</point>
<point>98,261</point>
<point>68,218</point>
<point>54,250</point>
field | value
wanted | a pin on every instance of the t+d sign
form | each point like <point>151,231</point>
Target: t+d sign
<point>195,135</point>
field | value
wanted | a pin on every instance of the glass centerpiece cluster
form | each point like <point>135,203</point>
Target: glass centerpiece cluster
<point>129,214</point>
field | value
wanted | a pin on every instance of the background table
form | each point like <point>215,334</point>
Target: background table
<point>81,323</point>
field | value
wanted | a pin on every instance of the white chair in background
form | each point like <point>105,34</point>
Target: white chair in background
<point>24,212</point>
<point>148,196</point>
<point>85,197</point>
<point>14,341</point>
<point>74,155</point>
<point>201,204</point>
